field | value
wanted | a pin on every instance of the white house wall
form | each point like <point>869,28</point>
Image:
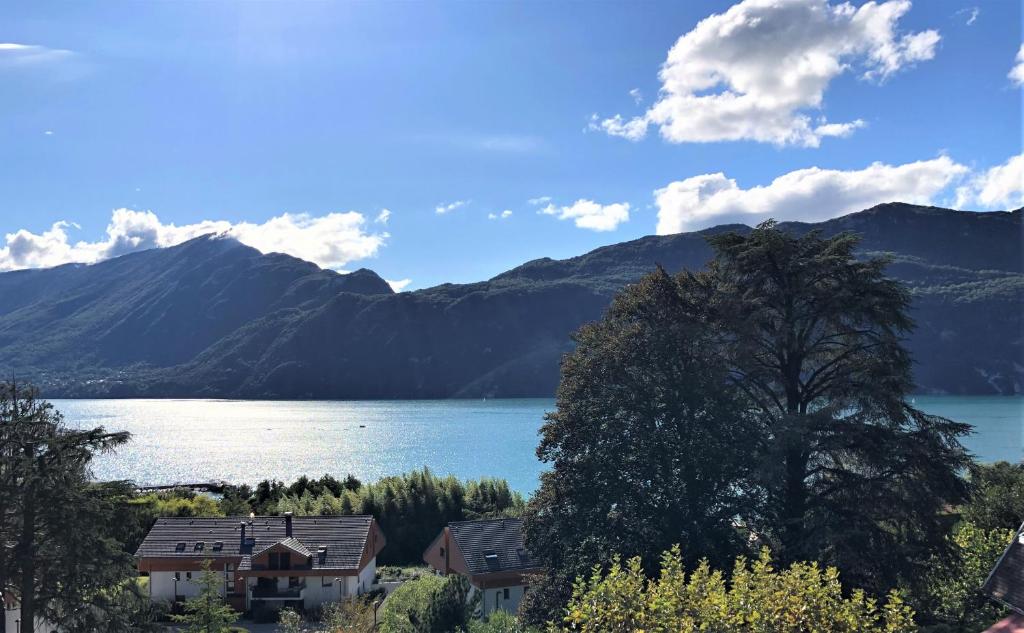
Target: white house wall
<point>12,616</point>
<point>493,599</point>
<point>367,576</point>
<point>162,585</point>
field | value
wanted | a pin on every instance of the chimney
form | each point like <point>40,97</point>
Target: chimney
<point>241,524</point>
<point>287,523</point>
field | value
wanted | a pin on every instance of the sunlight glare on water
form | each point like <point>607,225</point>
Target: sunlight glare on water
<point>186,441</point>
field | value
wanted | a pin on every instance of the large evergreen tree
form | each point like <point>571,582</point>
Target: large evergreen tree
<point>766,394</point>
<point>58,558</point>
<point>649,446</point>
<point>852,474</point>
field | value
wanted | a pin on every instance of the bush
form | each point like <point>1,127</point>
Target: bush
<point>951,596</point>
<point>997,496</point>
<point>431,604</point>
<point>500,622</point>
<point>758,598</point>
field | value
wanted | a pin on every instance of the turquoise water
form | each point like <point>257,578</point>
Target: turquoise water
<point>176,441</point>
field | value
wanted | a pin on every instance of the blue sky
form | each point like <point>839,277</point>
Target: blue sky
<point>225,116</point>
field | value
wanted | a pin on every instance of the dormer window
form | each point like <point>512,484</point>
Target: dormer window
<point>218,546</point>
<point>491,557</point>
<point>199,546</point>
<point>180,547</point>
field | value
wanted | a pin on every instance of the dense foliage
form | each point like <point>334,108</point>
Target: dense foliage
<point>60,557</point>
<point>500,622</point>
<point>411,508</point>
<point>649,445</point>
<point>764,397</point>
<point>800,599</point>
<point>950,600</point>
<point>430,604</point>
<point>997,496</point>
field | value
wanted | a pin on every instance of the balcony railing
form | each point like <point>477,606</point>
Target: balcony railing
<point>274,593</point>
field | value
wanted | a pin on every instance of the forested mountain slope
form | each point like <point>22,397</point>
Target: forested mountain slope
<point>214,318</point>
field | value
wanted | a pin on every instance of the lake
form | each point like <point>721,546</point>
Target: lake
<point>246,441</point>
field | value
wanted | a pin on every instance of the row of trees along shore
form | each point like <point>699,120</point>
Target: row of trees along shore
<point>731,450</point>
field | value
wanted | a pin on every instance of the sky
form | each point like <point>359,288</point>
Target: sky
<point>448,142</point>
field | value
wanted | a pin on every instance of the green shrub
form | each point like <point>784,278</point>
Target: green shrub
<point>431,604</point>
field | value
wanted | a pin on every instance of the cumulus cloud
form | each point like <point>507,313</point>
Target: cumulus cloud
<point>1017,72</point>
<point>329,241</point>
<point>504,215</point>
<point>441,209</point>
<point>1000,187</point>
<point>398,285</point>
<point>587,214</point>
<point>757,71</point>
<point>810,195</point>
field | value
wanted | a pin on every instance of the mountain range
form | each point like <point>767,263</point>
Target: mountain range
<point>215,318</point>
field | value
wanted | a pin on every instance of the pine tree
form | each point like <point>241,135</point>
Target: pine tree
<point>207,612</point>
<point>58,550</point>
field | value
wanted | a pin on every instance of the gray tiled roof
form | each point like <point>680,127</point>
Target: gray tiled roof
<point>492,545</point>
<point>344,537</point>
<point>293,544</point>
<point>1006,582</point>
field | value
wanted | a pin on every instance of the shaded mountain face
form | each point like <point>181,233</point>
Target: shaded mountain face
<point>214,318</point>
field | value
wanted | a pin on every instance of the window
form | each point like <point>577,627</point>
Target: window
<point>442,552</point>
<point>293,581</point>
<point>505,594</point>
<point>188,575</point>
<point>177,575</point>
<point>180,547</point>
<point>282,560</point>
<point>199,546</point>
<point>218,546</point>
<point>497,599</point>
<point>326,581</point>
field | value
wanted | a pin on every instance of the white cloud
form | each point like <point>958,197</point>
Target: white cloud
<point>587,214</point>
<point>539,200</point>
<point>383,216</point>
<point>638,96</point>
<point>1001,187</point>
<point>441,209</point>
<point>330,240</point>
<point>398,285</point>
<point>757,71</point>
<point>972,14</point>
<point>504,215</point>
<point>810,195</point>
<point>12,54</point>
<point>1017,72</point>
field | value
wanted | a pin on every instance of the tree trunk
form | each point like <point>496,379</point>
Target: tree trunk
<point>27,563</point>
<point>794,503</point>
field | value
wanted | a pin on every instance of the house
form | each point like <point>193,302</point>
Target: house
<point>266,562</point>
<point>12,617</point>
<point>1005,585</point>
<point>491,555</point>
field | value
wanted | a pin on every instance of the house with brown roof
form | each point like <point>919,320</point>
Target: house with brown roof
<point>491,555</point>
<point>267,562</point>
